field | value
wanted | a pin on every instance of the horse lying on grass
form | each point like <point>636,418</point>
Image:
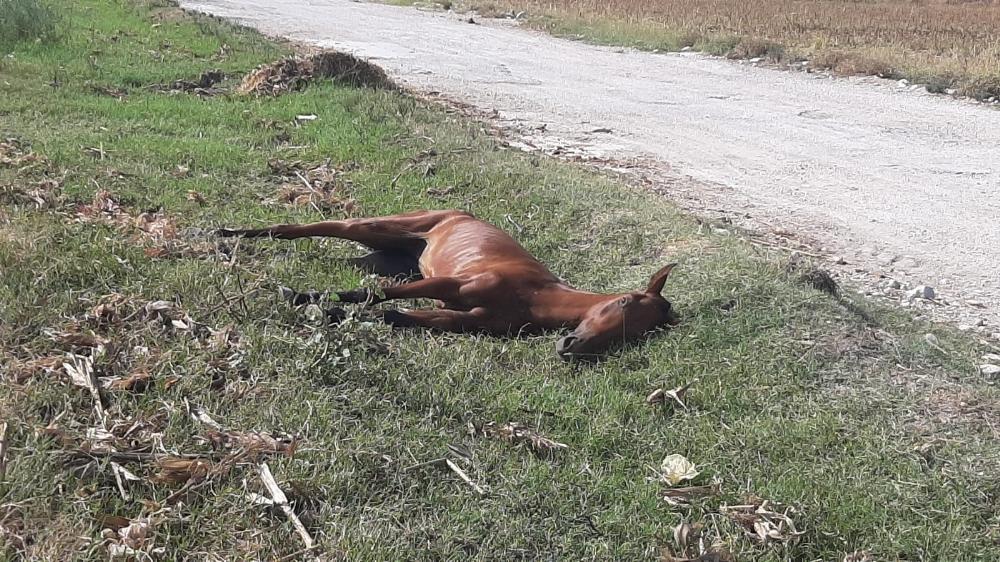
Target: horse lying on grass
<point>484,280</point>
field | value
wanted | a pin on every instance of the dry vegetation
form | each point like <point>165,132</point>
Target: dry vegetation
<point>947,44</point>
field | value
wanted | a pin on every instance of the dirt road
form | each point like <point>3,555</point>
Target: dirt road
<point>898,182</point>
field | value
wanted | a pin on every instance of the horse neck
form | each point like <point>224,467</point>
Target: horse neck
<point>560,305</point>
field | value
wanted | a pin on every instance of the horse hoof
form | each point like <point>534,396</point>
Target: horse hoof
<point>287,294</point>
<point>335,315</point>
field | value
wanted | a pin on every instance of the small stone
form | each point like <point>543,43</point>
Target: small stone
<point>755,60</point>
<point>951,91</point>
<point>964,327</point>
<point>989,370</point>
<point>922,292</point>
<point>903,83</point>
<point>686,48</point>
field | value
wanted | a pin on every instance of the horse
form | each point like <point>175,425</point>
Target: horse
<point>483,280</point>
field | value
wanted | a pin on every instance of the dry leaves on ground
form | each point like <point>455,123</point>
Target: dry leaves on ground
<point>689,546</point>
<point>21,371</point>
<point>204,86</point>
<point>43,194</point>
<point>133,540</point>
<point>15,153</point>
<point>157,231</point>
<point>673,396</point>
<point>253,443</point>
<point>322,186</point>
<point>684,495</point>
<point>764,521</point>
<point>518,433</point>
<point>178,470</point>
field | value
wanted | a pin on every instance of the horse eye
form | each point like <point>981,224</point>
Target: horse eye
<point>623,301</point>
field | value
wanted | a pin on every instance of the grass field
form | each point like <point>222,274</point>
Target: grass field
<point>877,438</point>
<point>947,45</point>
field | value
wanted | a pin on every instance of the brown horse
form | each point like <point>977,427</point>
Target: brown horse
<point>484,281</point>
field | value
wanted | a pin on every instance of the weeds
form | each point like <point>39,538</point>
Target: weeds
<point>27,20</point>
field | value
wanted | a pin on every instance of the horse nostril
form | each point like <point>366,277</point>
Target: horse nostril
<point>565,343</point>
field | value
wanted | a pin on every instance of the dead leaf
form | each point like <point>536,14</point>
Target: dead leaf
<point>514,432</point>
<point>322,186</point>
<point>181,171</point>
<point>199,414</point>
<point>686,535</point>
<point>110,308</point>
<point>80,369</point>
<point>176,470</point>
<point>132,541</point>
<point>80,339</point>
<point>656,397</point>
<point>15,153</point>
<point>676,468</point>
<point>57,434</point>
<point>103,208</point>
<point>196,197</point>
<point>713,554</point>
<point>859,556</point>
<point>117,93</point>
<point>157,227</point>
<point>137,382</point>
<point>98,440</point>
<point>762,522</point>
<point>684,495</point>
<point>433,192</point>
<point>254,443</point>
<point>674,396</point>
<point>203,86</point>
<point>170,381</point>
<point>113,522</point>
<point>21,371</point>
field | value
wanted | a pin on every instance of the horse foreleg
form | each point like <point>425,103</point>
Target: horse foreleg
<point>443,319</point>
<point>445,289</point>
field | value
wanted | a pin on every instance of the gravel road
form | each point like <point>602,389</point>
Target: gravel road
<point>895,181</point>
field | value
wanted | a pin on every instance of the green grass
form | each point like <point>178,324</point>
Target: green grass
<point>22,20</point>
<point>879,440</point>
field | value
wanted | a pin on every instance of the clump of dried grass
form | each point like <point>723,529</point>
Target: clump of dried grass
<point>518,433</point>
<point>296,72</point>
<point>322,187</point>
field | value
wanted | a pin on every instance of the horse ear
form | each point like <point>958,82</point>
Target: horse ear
<point>659,278</point>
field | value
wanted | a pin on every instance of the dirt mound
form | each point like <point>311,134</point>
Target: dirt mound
<point>295,72</point>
